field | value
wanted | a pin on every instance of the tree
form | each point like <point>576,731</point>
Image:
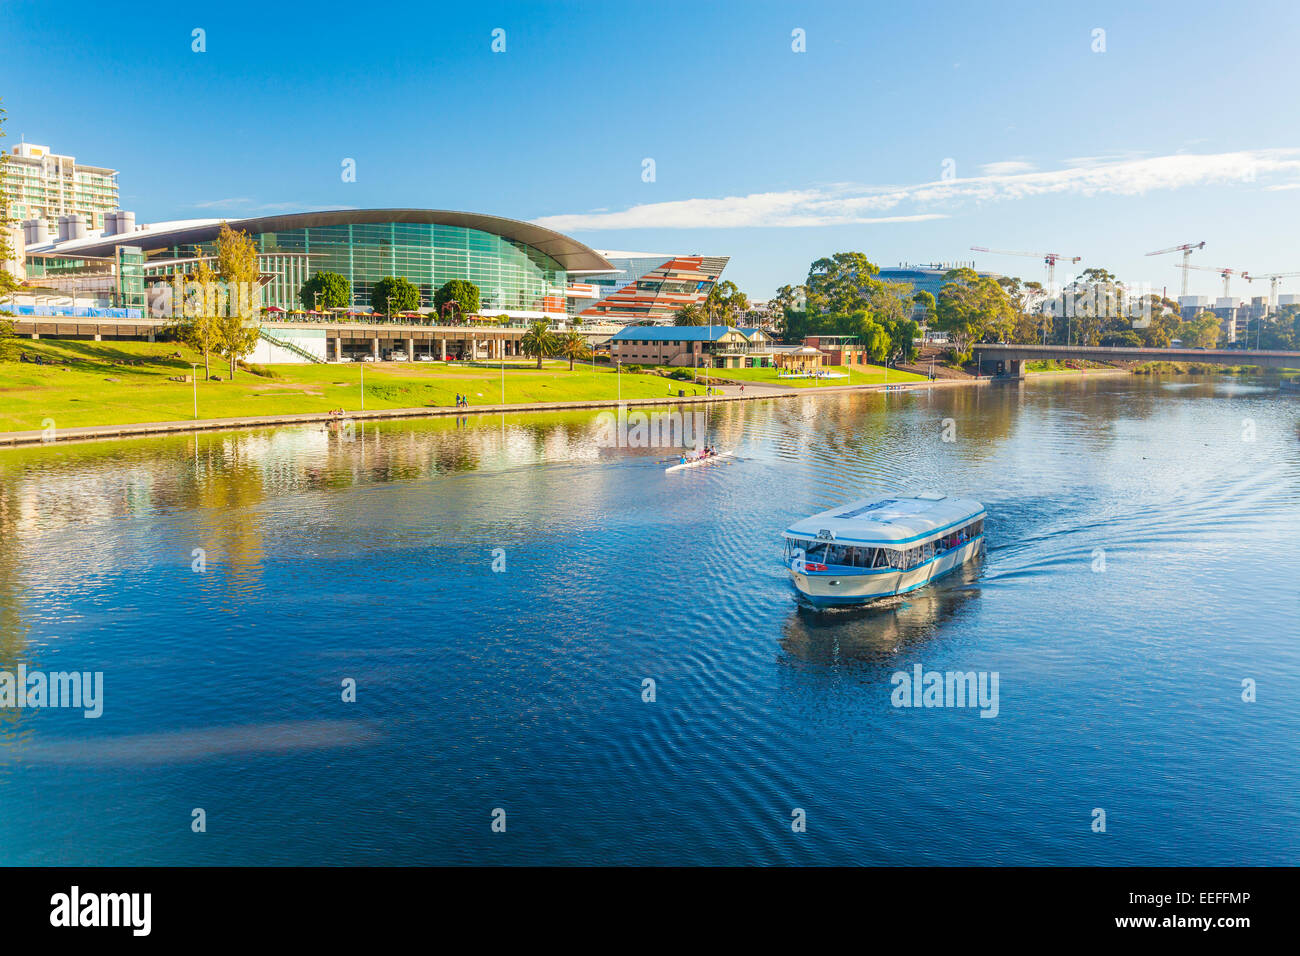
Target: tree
<point>841,283</point>
<point>969,306</point>
<point>8,341</point>
<point>334,291</point>
<point>689,314</point>
<point>1204,330</point>
<point>237,331</point>
<point>725,304</point>
<point>874,338</point>
<point>902,339</point>
<point>737,305</point>
<point>1282,330</point>
<point>574,346</point>
<point>393,294</point>
<point>1160,323</point>
<point>460,291</point>
<point>539,341</point>
<point>927,303</point>
<point>7,281</point>
<point>194,313</point>
<point>788,298</point>
<point>1123,338</point>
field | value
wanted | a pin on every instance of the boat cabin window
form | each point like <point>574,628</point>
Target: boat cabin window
<point>839,555</point>
<point>834,554</point>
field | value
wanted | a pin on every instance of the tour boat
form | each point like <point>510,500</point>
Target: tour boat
<point>878,547</point>
<point>693,462</point>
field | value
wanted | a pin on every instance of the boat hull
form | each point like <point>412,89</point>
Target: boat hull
<point>845,587</point>
<point>698,462</point>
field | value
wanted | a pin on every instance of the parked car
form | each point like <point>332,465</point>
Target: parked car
<point>397,355</point>
<point>424,358</point>
<point>367,358</point>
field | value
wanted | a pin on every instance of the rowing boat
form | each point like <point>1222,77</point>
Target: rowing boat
<point>698,461</point>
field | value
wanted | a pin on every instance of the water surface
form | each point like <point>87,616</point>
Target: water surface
<point>1142,563</point>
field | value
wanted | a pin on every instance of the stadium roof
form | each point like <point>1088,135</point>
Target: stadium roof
<point>571,254</point>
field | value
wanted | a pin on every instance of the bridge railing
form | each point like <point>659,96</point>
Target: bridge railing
<point>1126,350</point>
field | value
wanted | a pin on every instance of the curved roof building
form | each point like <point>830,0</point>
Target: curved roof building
<point>519,267</point>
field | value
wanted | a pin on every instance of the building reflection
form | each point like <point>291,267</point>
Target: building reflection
<point>877,633</point>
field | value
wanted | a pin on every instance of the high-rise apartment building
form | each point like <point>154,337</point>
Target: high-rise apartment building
<point>41,185</point>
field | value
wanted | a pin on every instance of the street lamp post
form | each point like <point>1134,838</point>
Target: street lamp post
<point>194,380</point>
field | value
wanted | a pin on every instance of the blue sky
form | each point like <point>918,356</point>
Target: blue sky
<point>1182,130</point>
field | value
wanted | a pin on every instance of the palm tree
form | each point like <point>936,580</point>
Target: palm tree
<point>539,340</point>
<point>574,346</point>
<point>689,315</point>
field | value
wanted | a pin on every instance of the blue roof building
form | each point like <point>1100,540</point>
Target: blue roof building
<point>703,346</point>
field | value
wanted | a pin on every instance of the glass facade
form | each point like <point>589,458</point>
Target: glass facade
<point>130,277</point>
<point>509,274</point>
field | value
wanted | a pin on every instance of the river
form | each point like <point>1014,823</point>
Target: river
<point>502,589</point>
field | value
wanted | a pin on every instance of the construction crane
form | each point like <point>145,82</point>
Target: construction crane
<point>1051,258</point>
<point>1272,278</point>
<point>1186,249</point>
<point>1224,274</point>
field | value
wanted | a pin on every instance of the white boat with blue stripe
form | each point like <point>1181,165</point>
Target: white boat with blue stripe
<point>878,547</point>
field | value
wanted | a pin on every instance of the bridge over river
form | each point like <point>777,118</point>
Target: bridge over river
<point>1010,359</point>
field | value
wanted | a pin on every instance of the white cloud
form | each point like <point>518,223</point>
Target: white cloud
<point>852,204</point>
<point>807,207</point>
<point>250,206</point>
<point>215,203</point>
<point>1007,167</point>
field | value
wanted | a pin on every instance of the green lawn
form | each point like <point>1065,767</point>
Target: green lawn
<point>861,375</point>
<point>99,383</point>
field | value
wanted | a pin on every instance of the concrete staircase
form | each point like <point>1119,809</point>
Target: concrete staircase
<point>289,346</point>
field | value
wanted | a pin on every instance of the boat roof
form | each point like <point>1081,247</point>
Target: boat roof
<point>888,519</point>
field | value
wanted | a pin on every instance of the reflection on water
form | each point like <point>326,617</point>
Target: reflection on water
<point>877,633</point>
<point>1141,562</point>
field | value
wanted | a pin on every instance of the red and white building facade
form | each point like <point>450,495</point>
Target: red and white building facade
<point>646,288</point>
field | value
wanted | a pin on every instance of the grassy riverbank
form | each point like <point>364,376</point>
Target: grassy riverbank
<point>859,375</point>
<point>119,383</point>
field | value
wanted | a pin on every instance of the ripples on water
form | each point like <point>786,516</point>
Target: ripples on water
<point>1119,689</point>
